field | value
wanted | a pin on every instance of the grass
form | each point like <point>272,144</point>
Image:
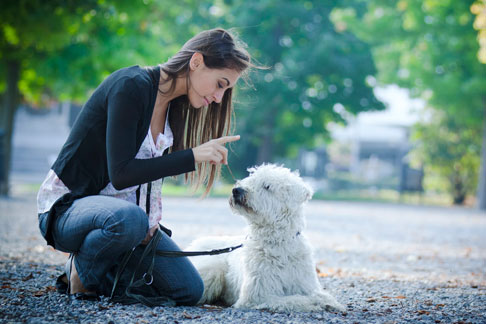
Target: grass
<point>173,189</point>
<point>363,195</point>
<point>385,196</point>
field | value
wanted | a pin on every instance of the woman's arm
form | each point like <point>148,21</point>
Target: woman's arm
<point>125,110</point>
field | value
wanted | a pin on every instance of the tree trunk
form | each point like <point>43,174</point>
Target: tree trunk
<point>10,103</point>
<point>481,195</point>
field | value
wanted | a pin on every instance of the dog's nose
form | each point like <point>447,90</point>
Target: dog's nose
<point>238,192</point>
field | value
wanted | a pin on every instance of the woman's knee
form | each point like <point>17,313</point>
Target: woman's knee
<point>129,224</point>
<point>194,290</point>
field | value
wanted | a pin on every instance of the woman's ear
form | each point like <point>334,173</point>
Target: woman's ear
<point>197,60</point>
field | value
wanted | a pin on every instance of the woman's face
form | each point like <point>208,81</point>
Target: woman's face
<point>208,85</point>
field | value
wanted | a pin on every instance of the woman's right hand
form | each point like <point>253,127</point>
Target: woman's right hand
<point>214,150</point>
<point>150,233</point>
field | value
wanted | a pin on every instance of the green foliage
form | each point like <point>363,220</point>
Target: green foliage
<point>450,154</point>
<point>430,47</point>
<point>67,47</point>
<point>32,31</point>
<point>478,8</point>
<point>427,46</point>
<point>316,71</point>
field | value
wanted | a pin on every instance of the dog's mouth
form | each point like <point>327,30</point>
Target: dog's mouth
<point>239,196</point>
<point>238,199</point>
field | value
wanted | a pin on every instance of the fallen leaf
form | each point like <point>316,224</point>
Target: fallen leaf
<point>371,300</point>
<point>211,307</point>
<point>101,307</point>
<point>397,297</point>
<point>39,293</point>
<point>51,288</point>
<point>189,316</point>
<point>423,312</point>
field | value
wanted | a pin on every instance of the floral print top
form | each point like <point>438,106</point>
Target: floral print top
<point>53,188</point>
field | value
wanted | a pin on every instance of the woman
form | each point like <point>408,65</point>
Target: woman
<point>102,196</point>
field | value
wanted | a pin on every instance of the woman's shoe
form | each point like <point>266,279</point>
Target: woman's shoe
<point>85,296</point>
<point>62,284</point>
<point>67,270</point>
<point>79,295</point>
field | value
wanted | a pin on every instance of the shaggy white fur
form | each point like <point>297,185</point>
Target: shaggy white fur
<point>274,269</point>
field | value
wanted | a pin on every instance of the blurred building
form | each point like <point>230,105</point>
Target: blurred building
<point>37,139</point>
<point>376,151</point>
<point>372,149</point>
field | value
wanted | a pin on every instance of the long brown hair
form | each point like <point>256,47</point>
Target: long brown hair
<point>192,127</point>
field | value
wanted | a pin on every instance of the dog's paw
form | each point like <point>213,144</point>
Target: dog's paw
<point>241,305</point>
<point>335,307</point>
<point>329,303</point>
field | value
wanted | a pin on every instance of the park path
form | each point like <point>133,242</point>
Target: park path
<point>365,252</point>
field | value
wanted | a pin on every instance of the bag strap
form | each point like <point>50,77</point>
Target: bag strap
<point>130,296</point>
<point>147,198</point>
<point>147,279</point>
<point>123,264</point>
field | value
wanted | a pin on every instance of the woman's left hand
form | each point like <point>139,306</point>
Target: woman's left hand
<point>214,150</point>
<point>150,233</point>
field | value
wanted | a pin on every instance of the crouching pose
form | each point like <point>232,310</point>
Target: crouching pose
<point>102,196</point>
<point>274,269</point>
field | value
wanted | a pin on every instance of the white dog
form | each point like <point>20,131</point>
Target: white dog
<point>274,269</point>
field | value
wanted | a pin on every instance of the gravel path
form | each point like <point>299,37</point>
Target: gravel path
<point>387,263</point>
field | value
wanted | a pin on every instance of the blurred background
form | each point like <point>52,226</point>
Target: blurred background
<point>370,100</point>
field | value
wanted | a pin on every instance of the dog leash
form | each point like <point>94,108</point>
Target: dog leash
<point>147,278</point>
<point>151,248</point>
<point>197,253</point>
<point>173,254</point>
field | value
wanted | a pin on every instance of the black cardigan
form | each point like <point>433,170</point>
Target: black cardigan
<point>107,135</point>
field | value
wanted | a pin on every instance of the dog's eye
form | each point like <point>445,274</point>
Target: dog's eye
<point>266,187</point>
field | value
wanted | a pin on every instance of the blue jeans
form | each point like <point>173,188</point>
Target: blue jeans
<point>100,229</point>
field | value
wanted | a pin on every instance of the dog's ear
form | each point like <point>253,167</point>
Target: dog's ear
<point>252,170</point>
<point>307,192</point>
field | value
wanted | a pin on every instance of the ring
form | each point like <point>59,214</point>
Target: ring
<point>148,282</point>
